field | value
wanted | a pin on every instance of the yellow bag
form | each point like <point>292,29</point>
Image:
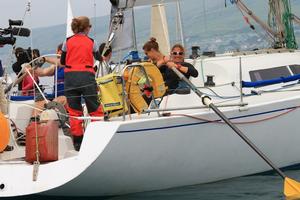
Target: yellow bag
<point>110,94</point>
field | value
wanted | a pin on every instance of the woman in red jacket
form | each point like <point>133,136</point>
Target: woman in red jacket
<point>78,57</point>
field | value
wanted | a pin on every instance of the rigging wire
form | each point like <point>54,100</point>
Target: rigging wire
<point>204,15</point>
<point>28,10</point>
<point>270,39</point>
<point>179,25</point>
<point>95,19</point>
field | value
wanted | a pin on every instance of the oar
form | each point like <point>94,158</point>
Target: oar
<point>291,187</point>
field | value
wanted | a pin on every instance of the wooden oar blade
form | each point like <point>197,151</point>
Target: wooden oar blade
<point>291,189</point>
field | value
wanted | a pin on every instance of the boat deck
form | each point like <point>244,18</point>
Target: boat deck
<point>17,155</point>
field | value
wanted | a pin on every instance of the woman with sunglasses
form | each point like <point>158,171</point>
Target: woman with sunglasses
<point>151,50</point>
<point>165,63</point>
<point>187,69</point>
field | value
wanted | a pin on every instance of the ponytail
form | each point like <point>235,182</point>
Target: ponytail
<point>151,44</point>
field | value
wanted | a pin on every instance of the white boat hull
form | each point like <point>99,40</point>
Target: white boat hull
<point>187,155</point>
<point>151,153</point>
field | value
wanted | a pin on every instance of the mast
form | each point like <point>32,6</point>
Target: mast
<point>179,23</point>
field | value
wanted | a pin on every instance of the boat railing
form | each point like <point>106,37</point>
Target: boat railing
<point>239,82</point>
<point>156,108</point>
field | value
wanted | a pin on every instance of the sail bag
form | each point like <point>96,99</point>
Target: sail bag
<point>110,94</point>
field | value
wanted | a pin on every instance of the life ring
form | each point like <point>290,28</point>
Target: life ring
<point>136,85</point>
<point>4,133</point>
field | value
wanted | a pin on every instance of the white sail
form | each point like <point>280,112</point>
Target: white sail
<point>69,32</point>
<point>124,34</point>
<point>159,28</point>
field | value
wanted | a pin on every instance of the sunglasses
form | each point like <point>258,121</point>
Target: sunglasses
<point>177,53</point>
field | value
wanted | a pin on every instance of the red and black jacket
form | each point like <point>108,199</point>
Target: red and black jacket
<point>78,53</point>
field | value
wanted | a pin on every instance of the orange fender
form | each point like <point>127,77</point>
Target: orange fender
<point>4,133</point>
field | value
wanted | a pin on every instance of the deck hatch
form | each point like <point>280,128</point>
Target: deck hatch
<point>271,73</point>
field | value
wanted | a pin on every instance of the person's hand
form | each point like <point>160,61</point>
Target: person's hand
<point>171,64</point>
<point>27,68</point>
<point>39,62</point>
<point>178,66</point>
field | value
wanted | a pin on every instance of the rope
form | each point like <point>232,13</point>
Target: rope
<point>269,39</point>
<point>296,19</point>
<point>37,162</point>
<point>245,122</point>
<point>37,86</point>
<point>269,31</point>
<point>15,126</point>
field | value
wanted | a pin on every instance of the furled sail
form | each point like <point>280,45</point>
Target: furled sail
<point>159,28</point>
<point>69,32</point>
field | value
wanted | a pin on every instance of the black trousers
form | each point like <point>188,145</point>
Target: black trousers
<point>81,84</point>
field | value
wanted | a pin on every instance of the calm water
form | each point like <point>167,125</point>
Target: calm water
<point>259,187</point>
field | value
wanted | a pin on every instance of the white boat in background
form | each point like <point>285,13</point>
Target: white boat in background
<point>179,143</point>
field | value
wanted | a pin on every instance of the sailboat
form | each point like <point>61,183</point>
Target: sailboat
<point>180,141</point>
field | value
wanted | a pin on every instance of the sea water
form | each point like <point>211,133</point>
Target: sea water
<point>257,187</point>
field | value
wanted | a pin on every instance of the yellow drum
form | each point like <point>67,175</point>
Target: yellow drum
<point>136,83</point>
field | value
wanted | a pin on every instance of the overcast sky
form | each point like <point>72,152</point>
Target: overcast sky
<point>50,12</point>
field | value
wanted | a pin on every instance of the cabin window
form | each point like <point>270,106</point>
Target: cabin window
<point>295,69</point>
<point>272,73</point>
